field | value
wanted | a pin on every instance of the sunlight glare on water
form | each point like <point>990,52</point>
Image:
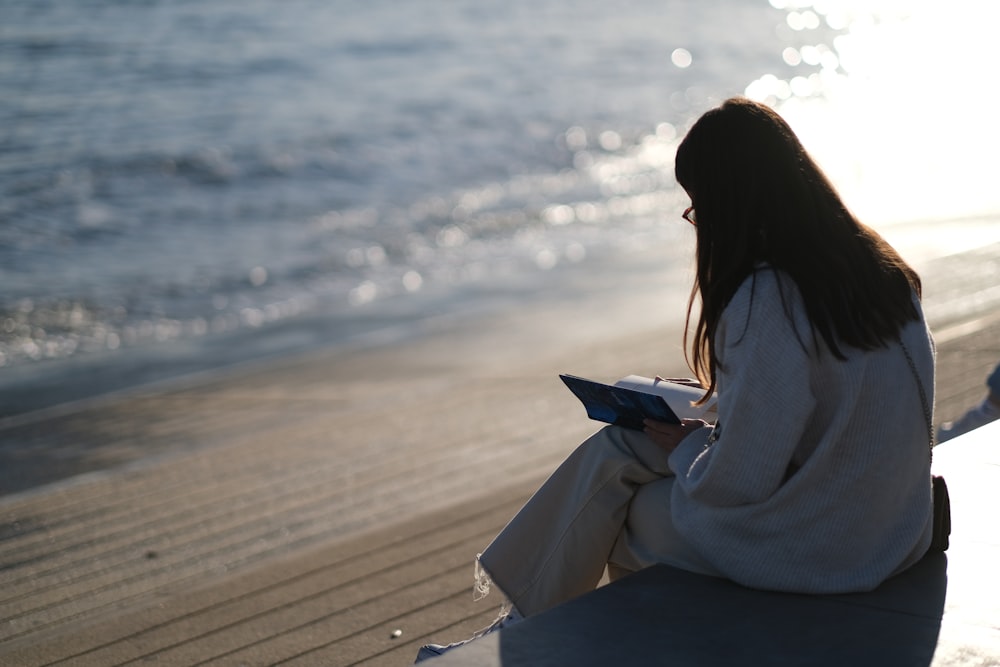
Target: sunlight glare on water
<point>177,188</point>
<point>900,114</point>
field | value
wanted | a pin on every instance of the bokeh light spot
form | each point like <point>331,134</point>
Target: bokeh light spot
<point>258,276</point>
<point>791,56</point>
<point>576,138</point>
<point>807,20</point>
<point>412,281</point>
<point>610,140</point>
<point>363,293</point>
<point>545,259</point>
<point>810,55</point>
<point>681,58</point>
<point>560,214</point>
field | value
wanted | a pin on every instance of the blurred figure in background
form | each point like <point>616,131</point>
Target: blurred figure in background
<point>986,411</point>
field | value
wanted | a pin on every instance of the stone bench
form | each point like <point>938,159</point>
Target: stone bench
<point>943,611</point>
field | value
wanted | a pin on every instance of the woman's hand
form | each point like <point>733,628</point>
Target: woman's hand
<point>669,435</point>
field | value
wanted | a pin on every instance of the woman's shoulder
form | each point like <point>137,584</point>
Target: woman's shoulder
<point>767,301</point>
<point>766,286</point>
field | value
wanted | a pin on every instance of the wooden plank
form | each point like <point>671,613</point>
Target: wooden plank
<point>291,592</point>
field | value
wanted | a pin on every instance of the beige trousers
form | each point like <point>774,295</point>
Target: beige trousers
<point>608,504</point>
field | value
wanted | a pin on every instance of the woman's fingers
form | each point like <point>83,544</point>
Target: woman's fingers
<point>664,434</point>
<point>659,427</point>
<point>668,435</point>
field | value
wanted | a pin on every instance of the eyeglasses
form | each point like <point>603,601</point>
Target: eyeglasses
<point>688,215</point>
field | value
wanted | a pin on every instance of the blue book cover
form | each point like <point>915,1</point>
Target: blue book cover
<point>635,398</point>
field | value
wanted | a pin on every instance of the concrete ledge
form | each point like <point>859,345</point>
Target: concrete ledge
<point>943,611</point>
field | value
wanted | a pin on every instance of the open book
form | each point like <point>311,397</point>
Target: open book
<point>634,398</point>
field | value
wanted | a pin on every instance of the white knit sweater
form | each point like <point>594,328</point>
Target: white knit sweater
<point>818,479</point>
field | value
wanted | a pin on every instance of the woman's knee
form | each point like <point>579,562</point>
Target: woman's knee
<point>631,444</point>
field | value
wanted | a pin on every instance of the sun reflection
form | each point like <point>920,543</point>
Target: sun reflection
<point>363,293</point>
<point>791,56</point>
<point>258,276</point>
<point>810,55</point>
<point>807,20</point>
<point>451,236</point>
<point>545,259</point>
<point>610,140</point>
<point>589,212</point>
<point>681,58</point>
<point>412,281</point>
<point>576,138</point>
<point>666,132</point>
<point>908,87</point>
<point>559,214</point>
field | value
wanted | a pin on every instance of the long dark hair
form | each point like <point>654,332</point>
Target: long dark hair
<point>760,198</point>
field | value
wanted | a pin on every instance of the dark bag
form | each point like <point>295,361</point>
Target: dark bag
<point>942,514</point>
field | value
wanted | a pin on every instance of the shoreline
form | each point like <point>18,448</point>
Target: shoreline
<point>32,390</point>
<point>37,389</point>
<point>604,320</point>
<point>593,327</point>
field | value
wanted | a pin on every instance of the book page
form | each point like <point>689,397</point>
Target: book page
<point>678,396</point>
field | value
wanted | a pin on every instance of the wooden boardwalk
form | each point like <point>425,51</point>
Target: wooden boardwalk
<point>332,605</point>
<point>305,515</point>
<point>295,514</point>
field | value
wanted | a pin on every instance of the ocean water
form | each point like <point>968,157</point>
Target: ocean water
<point>237,178</point>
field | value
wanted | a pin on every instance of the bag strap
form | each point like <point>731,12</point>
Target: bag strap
<point>924,403</point>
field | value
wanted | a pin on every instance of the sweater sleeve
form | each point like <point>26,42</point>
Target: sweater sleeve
<point>765,399</point>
